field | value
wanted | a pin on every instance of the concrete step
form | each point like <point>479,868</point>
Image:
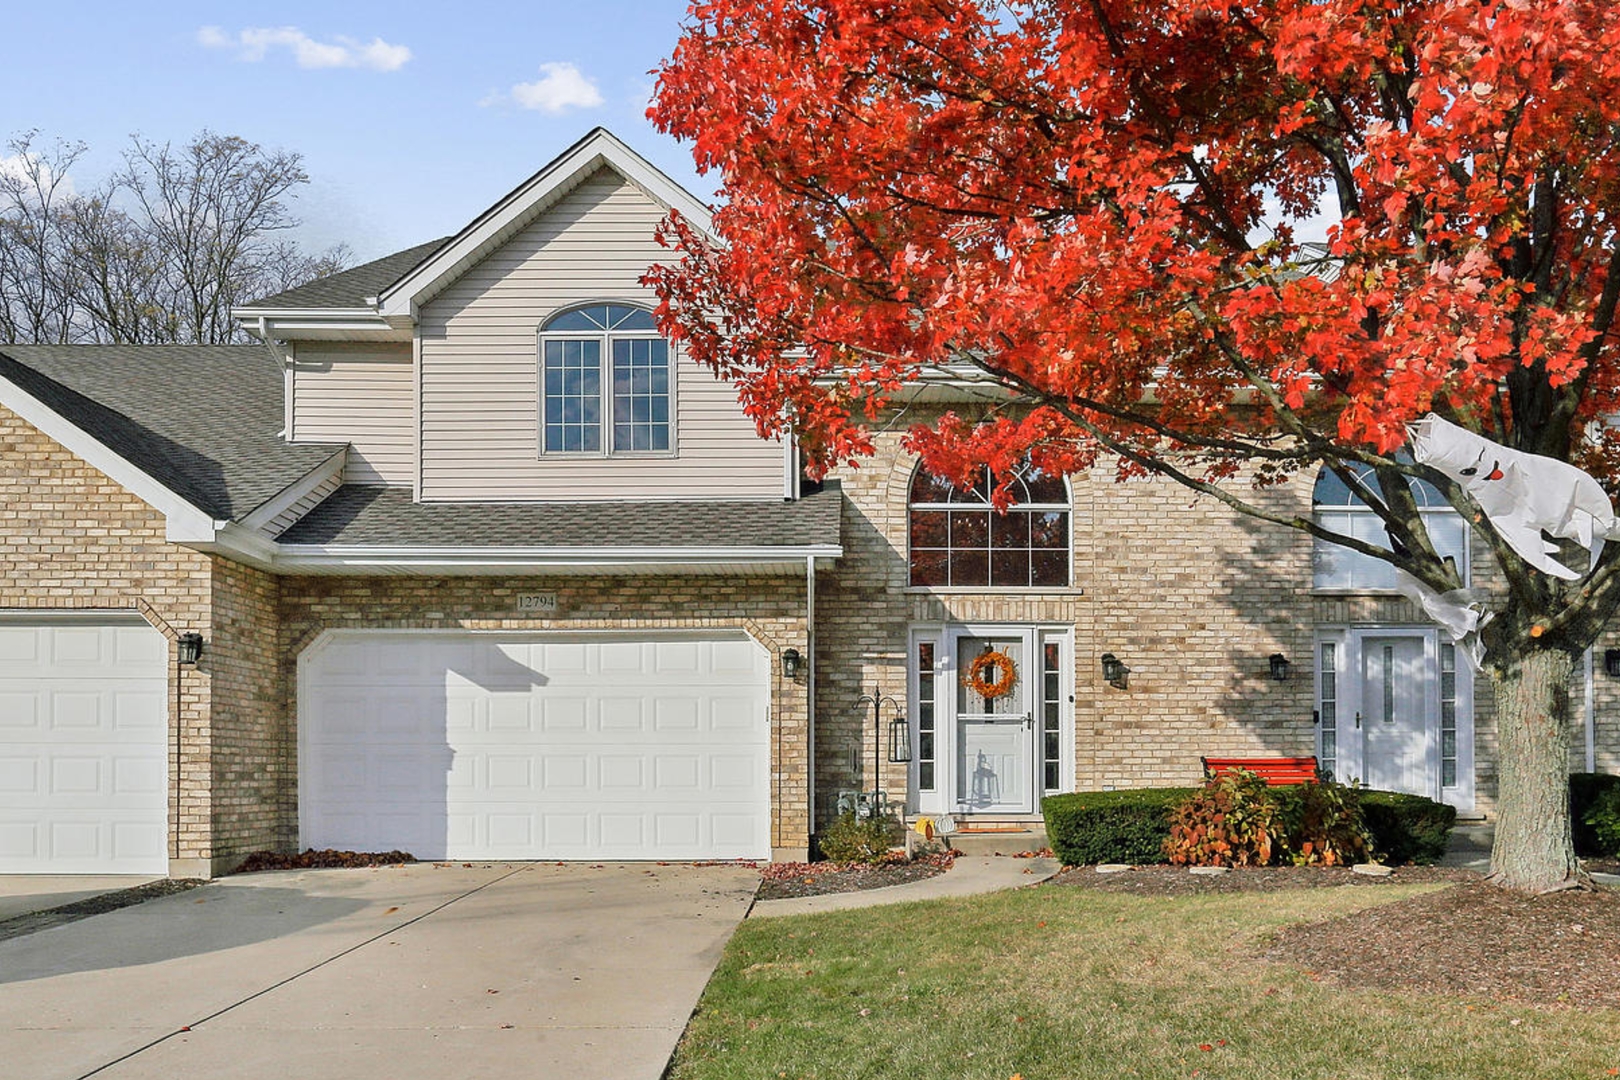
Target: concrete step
<point>999,842</point>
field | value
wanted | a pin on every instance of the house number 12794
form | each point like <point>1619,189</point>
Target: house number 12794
<point>543,602</point>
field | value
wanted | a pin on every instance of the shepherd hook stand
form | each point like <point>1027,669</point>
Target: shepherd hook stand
<point>876,700</point>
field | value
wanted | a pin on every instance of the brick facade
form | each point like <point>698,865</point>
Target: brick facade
<point>1191,595</point>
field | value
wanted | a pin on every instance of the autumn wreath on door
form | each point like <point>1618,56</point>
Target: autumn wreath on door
<point>990,674</point>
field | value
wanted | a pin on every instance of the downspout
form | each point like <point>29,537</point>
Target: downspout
<point>1590,723</point>
<point>810,685</point>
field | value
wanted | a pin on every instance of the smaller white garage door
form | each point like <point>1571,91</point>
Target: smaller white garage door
<point>83,732</point>
<point>484,746</point>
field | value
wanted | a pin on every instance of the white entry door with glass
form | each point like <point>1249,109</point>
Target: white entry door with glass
<point>977,750</point>
<point>1396,713</point>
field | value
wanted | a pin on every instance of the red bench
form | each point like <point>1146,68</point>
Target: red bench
<point>1275,771</point>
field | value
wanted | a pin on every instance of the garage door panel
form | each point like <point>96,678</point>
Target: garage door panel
<point>141,712</point>
<point>18,712</point>
<point>83,747</point>
<point>537,748</point>
<point>19,776</point>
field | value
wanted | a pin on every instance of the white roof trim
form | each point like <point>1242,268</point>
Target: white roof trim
<point>552,555</point>
<point>273,507</point>
<point>184,522</point>
<point>492,227</point>
<point>245,545</point>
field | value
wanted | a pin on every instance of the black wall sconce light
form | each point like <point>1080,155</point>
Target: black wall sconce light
<point>1279,666</point>
<point>190,647</point>
<point>1115,671</point>
<point>791,663</point>
<point>1611,663</point>
<point>899,739</point>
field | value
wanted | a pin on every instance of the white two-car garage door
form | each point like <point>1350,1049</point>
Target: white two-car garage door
<point>83,734</point>
<point>467,745</point>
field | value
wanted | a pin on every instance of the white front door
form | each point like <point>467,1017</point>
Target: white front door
<point>995,758</point>
<point>1396,712</point>
<point>1397,688</point>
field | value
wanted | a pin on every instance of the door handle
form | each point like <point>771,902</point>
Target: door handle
<point>1358,719</point>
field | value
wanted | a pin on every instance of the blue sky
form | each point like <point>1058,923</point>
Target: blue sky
<point>412,117</point>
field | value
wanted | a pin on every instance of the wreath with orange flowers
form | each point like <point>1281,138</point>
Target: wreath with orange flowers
<point>990,674</point>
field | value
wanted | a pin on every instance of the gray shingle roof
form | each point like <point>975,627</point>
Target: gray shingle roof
<point>387,516</point>
<point>203,420</point>
<point>351,288</point>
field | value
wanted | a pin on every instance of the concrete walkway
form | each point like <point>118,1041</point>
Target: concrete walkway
<point>1470,848</point>
<point>441,971</point>
<point>969,876</point>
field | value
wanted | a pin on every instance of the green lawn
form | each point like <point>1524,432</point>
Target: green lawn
<point>1065,982</point>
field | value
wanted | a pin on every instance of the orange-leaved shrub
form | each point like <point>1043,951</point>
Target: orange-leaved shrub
<point>1324,824</point>
<point>1237,820</point>
<point>1233,820</point>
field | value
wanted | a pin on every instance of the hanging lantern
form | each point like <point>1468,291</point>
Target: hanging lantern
<point>899,739</point>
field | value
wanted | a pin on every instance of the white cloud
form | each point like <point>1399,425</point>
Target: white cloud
<point>255,43</point>
<point>560,87</point>
<point>19,169</point>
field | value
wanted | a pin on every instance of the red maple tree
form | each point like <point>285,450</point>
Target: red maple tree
<point>1092,203</point>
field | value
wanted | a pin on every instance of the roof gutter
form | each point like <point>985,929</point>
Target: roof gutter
<point>251,546</point>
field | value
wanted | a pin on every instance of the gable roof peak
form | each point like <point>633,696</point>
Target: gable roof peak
<point>597,149</point>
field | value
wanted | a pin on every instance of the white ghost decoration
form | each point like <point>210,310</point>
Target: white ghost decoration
<point>1461,614</point>
<point>1523,495</point>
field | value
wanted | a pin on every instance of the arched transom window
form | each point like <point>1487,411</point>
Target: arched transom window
<point>1339,508</point>
<point>604,360</point>
<point>959,540</point>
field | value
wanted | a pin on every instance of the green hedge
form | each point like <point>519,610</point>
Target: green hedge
<point>1585,790</point>
<point>1407,828</point>
<point>1090,827</point>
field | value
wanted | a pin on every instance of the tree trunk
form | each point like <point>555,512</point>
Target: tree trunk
<point>1533,851</point>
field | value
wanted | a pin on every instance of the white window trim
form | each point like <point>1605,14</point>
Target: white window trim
<point>605,338</point>
<point>1030,591</point>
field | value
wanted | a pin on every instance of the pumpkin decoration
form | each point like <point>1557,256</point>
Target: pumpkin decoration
<point>990,674</point>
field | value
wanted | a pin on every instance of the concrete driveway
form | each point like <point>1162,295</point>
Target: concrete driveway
<point>434,970</point>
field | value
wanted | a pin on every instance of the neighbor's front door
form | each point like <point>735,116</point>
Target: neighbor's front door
<point>1397,687</point>
<point>995,738</point>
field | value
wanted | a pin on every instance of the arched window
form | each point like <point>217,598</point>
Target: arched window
<point>1339,508</point>
<point>959,540</point>
<point>604,360</point>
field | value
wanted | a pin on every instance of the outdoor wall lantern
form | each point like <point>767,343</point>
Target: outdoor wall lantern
<point>1279,667</point>
<point>899,739</point>
<point>1611,663</point>
<point>190,647</point>
<point>790,663</point>
<point>1115,671</point>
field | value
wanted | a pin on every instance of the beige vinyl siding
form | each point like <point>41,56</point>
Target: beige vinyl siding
<point>364,395</point>
<point>480,369</point>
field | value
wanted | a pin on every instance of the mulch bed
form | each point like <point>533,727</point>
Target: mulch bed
<point>784,880</point>
<point>1559,949</point>
<point>1178,881</point>
<point>35,921</point>
<point>328,859</point>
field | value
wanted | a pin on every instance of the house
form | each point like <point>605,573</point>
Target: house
<point>461,559</point>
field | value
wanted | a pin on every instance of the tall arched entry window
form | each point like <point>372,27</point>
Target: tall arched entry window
<point>958,540</point>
